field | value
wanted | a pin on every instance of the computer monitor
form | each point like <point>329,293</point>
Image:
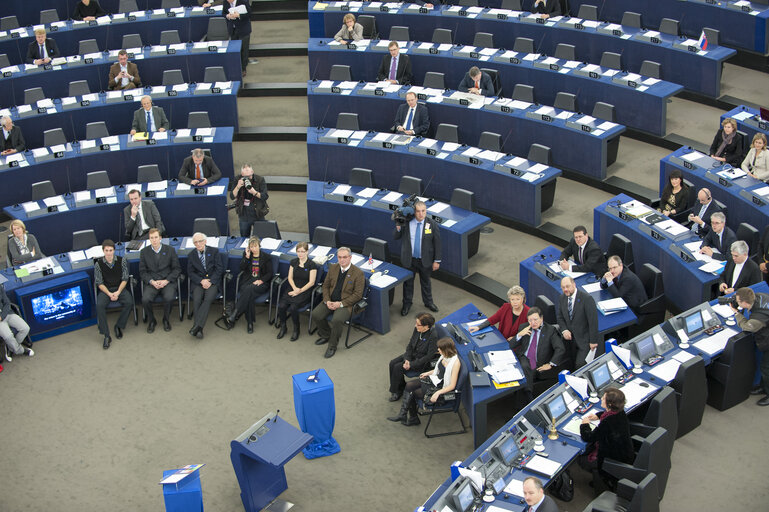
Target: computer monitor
<point>57,306</point>
<point>463,497</point>
<point>507,450</point>
<point>556,408</point>
<point>645,348</point>
<point>601,376</point>
<point>693,324</point>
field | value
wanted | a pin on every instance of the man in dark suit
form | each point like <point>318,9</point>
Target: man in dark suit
<point>699,214</point>
<point>411,118</point>
<point>395,68</point>
<point>740,270</point>
<point>12,140</point>
<point>149,118</point>
<point>421,253</point>
<point>622,282</point>
<point>587,254</point>
<point>42,50</point>
<point>199,170</point>
<point>342,289</point>
<point>422,348</point>
<point>763,254</point>
<point>547,8</point>
<point>718,239</point>
<point>158,269</point>
<point>577,317</point>
<point>534,494</point>
<point>476,81</point>
<point>124,74</point>
<point>539,348</point>
<point>239,26</point>
<point>205,269</point>
<point>140,217</point>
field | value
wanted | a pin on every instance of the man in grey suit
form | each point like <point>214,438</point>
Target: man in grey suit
<point>149,118</point>
<point>420,252</point>
<point>158,270</point>
<point>199,170</point>
<point>534,494</point>
<point>141,216</point>
<point>577,316</point>
<point>205,269</point>
<point>12,141</point>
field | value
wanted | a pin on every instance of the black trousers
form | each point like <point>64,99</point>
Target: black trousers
<point>424,274</point>
<point>289,306</point>
<point>148,296</point>
<point>397,373</point>
<point>102,301</point>
<point>201,303</point>
<point>245,41</point>
<point>248,294</point>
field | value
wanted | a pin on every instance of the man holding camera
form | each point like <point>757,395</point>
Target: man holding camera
<point>757,304</point>
<point>420,252</point>
<point>249,191</point>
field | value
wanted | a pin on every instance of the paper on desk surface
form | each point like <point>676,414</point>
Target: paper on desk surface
<point>95,252</point>
<point>715,343</point>
<point>682,356</point>
<point>320,250</point>
<point>543,465</point>
<point>666,371</point>
<point>592,287</point>
<point>515,487</point>
<point>723,310</point>
<point>341,189</point>
<point>437,207</point>
<point>367,192</point>
<point>54,201</point>
<point>155,186</point>
<point>391,197</point>
<point>714,267</point>
<point>267,243</point>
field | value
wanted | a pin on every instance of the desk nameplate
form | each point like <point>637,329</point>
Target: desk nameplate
<point>657,235</point>
<point>757,200</point>
<point>715,178</point>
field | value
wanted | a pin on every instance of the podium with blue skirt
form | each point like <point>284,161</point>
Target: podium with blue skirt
<point>258,456</point>
<point>316,412</point>
<point>184,495</point>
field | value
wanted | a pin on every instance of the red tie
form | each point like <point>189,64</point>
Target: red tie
<point>197,172</point>
<point>477,85</point>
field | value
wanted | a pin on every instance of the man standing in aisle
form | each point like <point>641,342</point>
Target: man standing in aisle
<point>420,252</point>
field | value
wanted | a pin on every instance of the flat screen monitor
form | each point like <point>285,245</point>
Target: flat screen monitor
<point>556,408</point>
<point>645,348</point>
<point>600,376</point>
<point>463,497</point>
<point>693,323</point>
<point>508,450</point>
<point>56,306</point>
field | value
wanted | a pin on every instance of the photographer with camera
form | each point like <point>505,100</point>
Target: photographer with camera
<point>249,191</point>
<point>757,304</point>
<point>420,250</point>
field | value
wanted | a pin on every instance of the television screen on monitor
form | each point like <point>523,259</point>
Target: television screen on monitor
<point>508,450</point>
<point>645,348</point>
<point>57,305</point>
<point>693,323</point>
<point>556,408</point>
<point>601,376</point>
<point>463,497</point>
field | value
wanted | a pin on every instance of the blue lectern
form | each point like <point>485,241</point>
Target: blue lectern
<point>258,456</point>
<point>316,412</point>
<point>185,495</point>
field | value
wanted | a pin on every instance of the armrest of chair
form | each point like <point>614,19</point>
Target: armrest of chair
<point>639,429</point>
<point>621,470</point>
<point>360,305</point>
<point>656,202</point>
<point>626,489</point>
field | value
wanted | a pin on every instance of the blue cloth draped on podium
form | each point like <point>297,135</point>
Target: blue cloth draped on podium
<point>183,496</point>
<point>316,412</point>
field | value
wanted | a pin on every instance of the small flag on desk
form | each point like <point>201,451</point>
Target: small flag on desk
<point>703,41</point>
<point>371,261</point>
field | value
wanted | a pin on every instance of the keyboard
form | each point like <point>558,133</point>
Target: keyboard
<point>710,331</point>
<point>654,360</point>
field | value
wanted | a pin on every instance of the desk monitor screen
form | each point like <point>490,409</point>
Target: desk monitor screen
<point>693,324</point>
<point>556,408</point>
<point>463,497</point>
<point>645,348</point>
<point>50,307</point>
<point>507,450</point>
<point>58,305</point>
<point>600,376</point>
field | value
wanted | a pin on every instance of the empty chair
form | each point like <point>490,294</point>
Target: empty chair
<point>660,411</point>
<point>690,385</point>
<point>523,92</point>
<point>33,95</point>
<point>347,121</point>
<point>669,26</point>
<point>173,77</point>
<point>611,60</point>
<point>83,239</point>
<point>447,133</point>
<point>540,153</point>
<point>325,236</point>
<point>127,6</point>
<point>42,189</point>
<point>206,225</point>
<point>565,51</point>
<point>96,130</point>
<point>494,75</point>
<point>468,3</point>
<point>369,26</point>
<point>652,311</point>
<point>198,120</point>
<point>603,111</point>
<point>728,381</point>
<point>53,137</point>
<point>48,16</point>
<point>631,19</point>
<point>377,248</point>
<point>523,44</point>
<point>132,41</point>
<point>97,179</point>
<point>339,73</point>
<point>462,198</point>
<point>566,101</point>
<point>491,141</point>
<point>79,88</point>
<point>548,309</point>
<point>88,46</point>
<point>148,173</point>
<point>214,74</point>
<point>217,29</point>
<point>588,12</point>
<point>398,33</point>
<point>265,229</point>
<point>621,246</point>
<point>629,496</point>
<point>442,36</point>
<point>434,80</point>
<point>9,23</point>
<point>513,5</point>
<point>360,177</point>
<point>169,37</point>
<point>712,35</point>
<point>4,61</point>
<point>410,185</point>
<point>650,68</point>
<point>750,235</point>
<point>484,40</point>
<point>170,4</point>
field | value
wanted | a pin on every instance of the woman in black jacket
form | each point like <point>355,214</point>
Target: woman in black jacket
<point>255,277</point>
<point>611,438</point>
<point>727,144</point>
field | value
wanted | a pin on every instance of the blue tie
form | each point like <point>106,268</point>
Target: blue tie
<point>203,259</point>
<point>42,51</point>
<point>149,121</point>
<point>408,119</point>
<point>418,241</point>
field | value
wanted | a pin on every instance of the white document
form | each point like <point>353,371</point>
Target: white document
<point>392,197</point>
<point>156,186</point>
<point>515,487</point>
<point>623,354</point>
<point>635,393</point>
<point>723,310</point>
<point>437,207</point>
<point>592,287</point>
<point>75,256</point>
<point>714,267</point>
<point>82,195</point>
<point>367,192</point>
<point>268,243</point>
<point>215,190</point>
<point>105,192</point>
<point>682,356</point>
<point>475,477</point>
<point>320,250</point>
<point>579,385</point>
<point>240,9</point>
<point>716,343</point>
<point>95,252</point>
<point>54,201</point>
<point>590,356</point>
<point>30,206</point>
<point>543,465</point>
<point>666,371</point>
<point>341,189</point>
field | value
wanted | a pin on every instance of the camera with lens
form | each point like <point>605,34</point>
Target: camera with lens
<point>247,184</point>
<point>405,212</point>
<point>729,301</point>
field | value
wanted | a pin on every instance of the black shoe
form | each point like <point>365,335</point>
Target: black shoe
<point>758,390</point>
<point>295,334</point>
<point>166,325</point>
<point>411,421</point>
<point>400,418</point>
<point>199,333</point>
<point>405,310</point>
<point>193,330</point>
<point>394,397</point>
<point>764,401</point>
<point>432,307</point>
<point>278,324</point>
<point>281,332</point>
<point>107,341</point>
<point>118,332</point>
<point>321,341</point>
<point>27,343</point>
<point>250,328</point>
<point>330,351</point>
<point>151,326</point>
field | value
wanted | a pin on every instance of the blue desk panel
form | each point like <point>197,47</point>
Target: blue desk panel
<point>493,188</point>
<point>572,149</point>
<point>697,73</point>
<point>69,173</point>
<point>644,111</point>
<point>356,223</point>
<point>536,283</point>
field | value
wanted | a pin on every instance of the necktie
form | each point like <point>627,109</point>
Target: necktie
<point>477,85</point>
<point>42,51</point>
<point>203,258</point>
<point>571,307</point>
<point>149,122</point>
<point>417,252</point>
<point>393,68</point>
<point>139,220</point>
<point>580,255</point>
<point>532,352</point>
<point>409,119</point>
<point>198,174</point>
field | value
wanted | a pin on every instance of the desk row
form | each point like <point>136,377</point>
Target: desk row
<point>27,11</point>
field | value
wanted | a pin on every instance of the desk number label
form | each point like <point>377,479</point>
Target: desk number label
<point>13,164</point>
<point>392,206</point>
<point>342,140</point>
<point>593,74</point>
<point>623,215</point>
<point>515,60</point>
<point>384,8</point>
<point>42,110</point>
<point>745,8</point>
<point>336,90</point>
<point>216,90</point>
<point>131,18</point>
<point>92,23</point>
<point>210,11</point>
<point>47,67</point>
<point>89,60</point>
<point>387,145</point>
<point>632,84</point>
<point>170,51</point>
<point>463,13</point>
<point>501,16</point>
<point>616,32</point>
<point>421,96</point>
<point>546,118</point>
<point>711,2</point>
<point>474,55</point>
<point>351,46</point>
<point>172,93</point>
<point>656,236</point>
<point>15,35</point>
<point>763,125</point>
<point>433,51</point>
<point>515,172</point>
<point>53,209</point>
<point>53,28</point>
<point>586,128</point>
<point>104,147</point>
<point>505,109</point>
<point>423,10</point>
<point>758,201</point>
<point>724,182</point>
<point>6,74</point>
<point>655,40</point>
<point>128,97</point>
<point>579,26</point>
<point>213,48</point>
<point>378,92</point>
<point>59,154</point>
<point>431,152</point>
<point>474,160</point>
<point>85,103</point>
<point>197,138</point>
<point>541,21</point>
<point>692,49</point>
<point>101,200</point>
<point>170,14</point>
<point>464,102</point>
<point>349,199</point>
<point>688,165</point>
<point>344,7</point>
<point>151,142</point>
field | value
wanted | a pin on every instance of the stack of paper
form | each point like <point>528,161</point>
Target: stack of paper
<point>502,367</point>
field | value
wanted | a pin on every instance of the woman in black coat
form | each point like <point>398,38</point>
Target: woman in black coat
<point>255,277</point>
<point>727,144</point>
<point>611,438</point>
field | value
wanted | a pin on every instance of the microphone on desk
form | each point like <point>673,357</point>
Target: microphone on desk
<point>276,416</point>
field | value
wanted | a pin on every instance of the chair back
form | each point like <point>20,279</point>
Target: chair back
<point>339,73</point>
<point>148,173</point>
<point>217,29</point>
<point>621,246</point>
<point>631,19</point>
<point>347,121</point>
<point>87,46</point>
<point>603,111</point>
<point>127,6</point>
<point>565,51</point>
<point>434,80</point>
<point>523,92</point>
<point>442,36</point>
<point>491,141</point>
<point>83,239</point>
<point>360,177</point>
<point>170,37</point>
<point>96,130</point>
<point>369,26</point>
<point>750,236</point>
<point>198,119</point>
<point>523,44</point>
<point>669,26</point>
<point>325,236</point>
<point>377,248</point>
<point>484,40</point>
<point>33,95</point>
<point>266,229</point>
<point>690,385</point>
<point>548,309</point>
<point>132,41</point>
<point>48,16</point>
<point>399,33</point>
<point>9,23</point>
<point>651,69</point>
<point>97,179</point>
<point>611,60</point>
<point>566,101</point>
<point>588,12</point>
<point>79,88</point>
<point>462,198</point>
<point>53,137</point>
<point>206,225</point>
<point>42,189</point>
<point>173,77</point>
<point>447,133</point>
<point>410,185</point>
<point>539,153</point>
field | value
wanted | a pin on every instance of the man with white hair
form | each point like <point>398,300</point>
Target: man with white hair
<point>718,239</point>
<point>740,270</point>
<point>149,118</point>
<point>205,268</point>
<point>12,140</point>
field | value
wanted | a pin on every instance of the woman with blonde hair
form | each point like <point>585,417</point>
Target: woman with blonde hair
<point>350,31</point>
<point>22,246</point>
<point>756,162</point>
